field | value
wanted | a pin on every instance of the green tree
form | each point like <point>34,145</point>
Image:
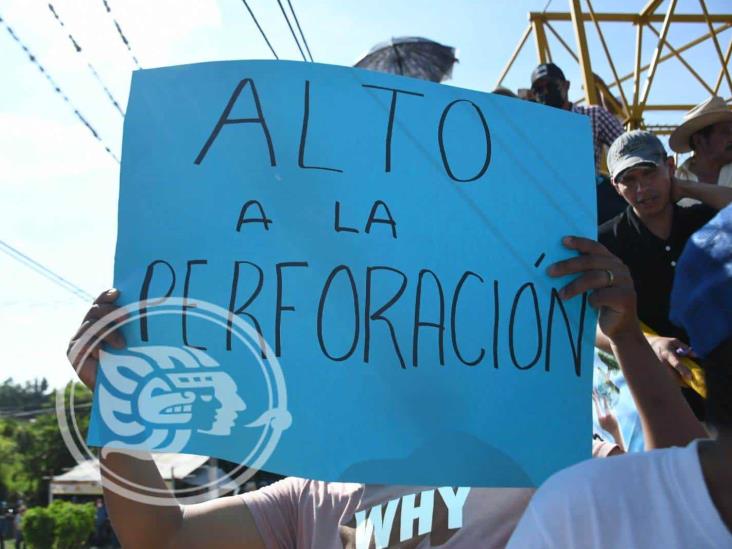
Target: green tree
<point>39,449</point>
<point>73,524</point>
<point>15,397</point>
<point>37,526</point>
<point>61,525</point>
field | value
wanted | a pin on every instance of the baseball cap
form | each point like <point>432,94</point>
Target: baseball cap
<point>547,70</point>
<point>632,149</point>
<point>701,298</point>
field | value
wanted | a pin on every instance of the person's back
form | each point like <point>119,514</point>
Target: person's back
<point>652,499</point>
<point>310,514</point>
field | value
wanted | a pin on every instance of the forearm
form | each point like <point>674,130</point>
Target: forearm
<point>602,342</point>
<point>665,415</point>
<point>137,522</point>
<point>714,196</point>
<point>617,435</point>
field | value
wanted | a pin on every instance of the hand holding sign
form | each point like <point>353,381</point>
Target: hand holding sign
<point>357,252</point>
<point>597,267</point>
<point>84,352</point>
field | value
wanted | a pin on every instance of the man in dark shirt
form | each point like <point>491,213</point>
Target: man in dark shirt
<point>650,234</point>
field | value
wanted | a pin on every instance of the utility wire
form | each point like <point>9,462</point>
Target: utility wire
<point>44,271</point>
<point>78,49</point>
<point>264,35</point>
<point>33,59</point>
<point>297,22</point>
<point>39,411</point>
<point>121,34</point>
<point>292,31</point>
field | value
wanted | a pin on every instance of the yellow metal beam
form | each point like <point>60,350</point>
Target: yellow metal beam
<point>657,55</point>
<point>721,72</point>
<point>683,61</point>
<point>707,17</point>
<point>636,116</point>
<point>668,107</point>
<point>514,55</point>
<point>542,47</point>
<point>650,7</point>
<point>609,58</point>
<point>667,56</point>
<point>561,41</point>
<point>588,79</point>
<point>636,18</point>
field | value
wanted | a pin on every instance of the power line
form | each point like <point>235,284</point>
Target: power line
<point>44,271</point>
<point>292,31</point>
<point>121,34</point>
<point>297,22</point>
<point>40,411</point>
<point>260,28</point>
<point>94,72</point>
<point>33,59</point>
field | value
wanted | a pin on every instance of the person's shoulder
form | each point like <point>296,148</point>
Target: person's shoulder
<point>697,214</point>
<point>594,109</point>
<point>611,230</point>
<point>569,483</point>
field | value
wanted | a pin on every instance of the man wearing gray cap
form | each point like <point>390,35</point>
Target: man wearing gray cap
<point>651,233</point>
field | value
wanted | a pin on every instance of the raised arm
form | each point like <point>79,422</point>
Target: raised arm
<point>714,196</point>
<point>224,522</point>
<point>665,416</point>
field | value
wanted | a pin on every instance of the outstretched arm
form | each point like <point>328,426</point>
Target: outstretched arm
<point>224,522</point>
<point>665,416</point>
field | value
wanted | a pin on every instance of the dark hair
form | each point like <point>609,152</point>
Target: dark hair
<point>718,374</point>
<point>705,132</point>
<point>504,91</point>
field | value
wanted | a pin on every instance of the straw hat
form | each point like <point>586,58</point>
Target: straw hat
<point>705,114</point>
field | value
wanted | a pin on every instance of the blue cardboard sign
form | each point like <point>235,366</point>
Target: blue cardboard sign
<point>342,277</point>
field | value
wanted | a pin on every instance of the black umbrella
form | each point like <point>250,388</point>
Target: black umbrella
<point>411,56</point>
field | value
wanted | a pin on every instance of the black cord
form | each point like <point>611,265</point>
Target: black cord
<point>260,28</point>
<point>297,22</point>
<point>121,34</point>
<point>292,31</point>
<point>94,72</point>
<point>33,59</point>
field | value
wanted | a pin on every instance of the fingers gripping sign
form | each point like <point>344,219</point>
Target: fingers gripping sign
<point>606,277</point>
<point>83,349</point>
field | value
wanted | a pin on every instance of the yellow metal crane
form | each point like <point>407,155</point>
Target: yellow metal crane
<point>633,109</point>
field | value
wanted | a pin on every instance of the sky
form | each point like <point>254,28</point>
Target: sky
<point>58,185</point>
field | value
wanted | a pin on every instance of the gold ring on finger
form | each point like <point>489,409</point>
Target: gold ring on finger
<point>610,278</point>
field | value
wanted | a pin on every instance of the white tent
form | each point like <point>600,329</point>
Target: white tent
<point>85,479</point>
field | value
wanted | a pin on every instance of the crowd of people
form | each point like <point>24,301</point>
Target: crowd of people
<point>660,277</point>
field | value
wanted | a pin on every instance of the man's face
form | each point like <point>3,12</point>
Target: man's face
<point>718,144</point>
<point>646,188</point>
<point>551,91</point>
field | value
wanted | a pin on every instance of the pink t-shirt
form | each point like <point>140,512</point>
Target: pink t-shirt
<point>296,513</point>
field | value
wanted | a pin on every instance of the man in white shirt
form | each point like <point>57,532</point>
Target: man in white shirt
<point>675,497</point>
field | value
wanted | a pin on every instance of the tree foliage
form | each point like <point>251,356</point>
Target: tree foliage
<point>61,525</point>
<point>31,446</point>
